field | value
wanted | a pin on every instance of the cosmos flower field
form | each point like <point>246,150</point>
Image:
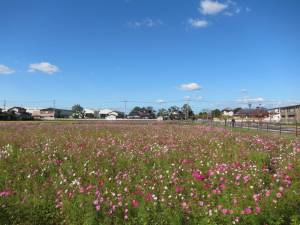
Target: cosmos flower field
<point>146,173</point>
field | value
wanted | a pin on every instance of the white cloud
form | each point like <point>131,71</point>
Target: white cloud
<point>190,87</point>
<point>150,23</point>
<point>198,23</point>
<point>43,67</point>
<point>210,7</point>
<point>5,69</point>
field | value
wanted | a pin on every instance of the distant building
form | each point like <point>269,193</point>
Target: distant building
<point>91,113</point>
<point>228,112</point>
<point>52,113</point>
<point>17,110</point>
<point>257,113</point>
<point>290,113</point>
<point>108,114</point>
<point>274,115</point>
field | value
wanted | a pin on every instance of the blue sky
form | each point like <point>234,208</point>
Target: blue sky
<point>100,52</point>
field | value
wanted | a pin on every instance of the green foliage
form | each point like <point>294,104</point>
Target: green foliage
<point>57,173</point>
<point>78,111</point>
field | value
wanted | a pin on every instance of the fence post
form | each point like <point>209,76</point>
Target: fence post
<point>280,128</point>
<point>267,127</point>
<point>296,129</point>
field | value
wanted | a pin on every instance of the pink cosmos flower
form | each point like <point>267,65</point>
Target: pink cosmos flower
<point>210,173</point>
<point>5,193</point>
<point>135,203</point>
<point>184,205</point>
<point>256,197</point>
<point>217,191</point>
<point>149,197</point>
<point>97,207</point>
<point>95,202</point>
<point>281,189</point>
<point>246,179</point>
<point>257,210</point>
<point>222,186</point>
<point>238,176</point>
<point>179,189</point>
<point>268,193</point>
<point>279,195</point>
<point>247,211</point>
<point>198,176</point>
<point>225,211</point>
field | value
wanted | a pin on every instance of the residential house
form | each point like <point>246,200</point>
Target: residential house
<point>227,112</point>
<point>108,114</point>
<point>17,110</point>
<point>52,113</point>
<point>257,113</point>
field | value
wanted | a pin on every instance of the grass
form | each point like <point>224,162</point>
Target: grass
<point>99,172</point>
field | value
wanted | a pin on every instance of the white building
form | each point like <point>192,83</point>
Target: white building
<point>108,114</point>
<point>274,116</point>
<point>228,112</point>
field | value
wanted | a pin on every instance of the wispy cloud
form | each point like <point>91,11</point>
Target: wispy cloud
<point>149,23</point>
<point>251,100</point>
<point>44,67</point>
<point>198,23</point>
<point>5,69</point>
<point>190,87</point>
<point>210,7</point>
<point>160,101</point>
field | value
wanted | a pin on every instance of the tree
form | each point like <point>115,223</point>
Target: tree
<point>216,113</point>
<point>135,111</point>
<point>236,110</point>
<point>144,112</point>
<point>203,115</point>
<point>188,112</point>
<point>163,113</point>
<point>121,115</point>
<point>78,111</point>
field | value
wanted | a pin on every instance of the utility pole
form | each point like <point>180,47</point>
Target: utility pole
<point>249,112</point>
<point>125,107</point>
<point>54,103</point>
<point>4,105</point>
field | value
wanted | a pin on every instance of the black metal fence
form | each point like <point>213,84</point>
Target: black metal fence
<point>260,126</point>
